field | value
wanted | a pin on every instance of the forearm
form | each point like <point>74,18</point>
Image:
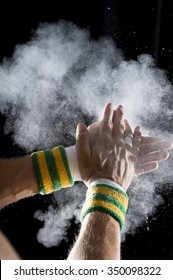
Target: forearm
<point>44,172</point>
<point>99,238</point>
<point>102,218</point>
<point>7,252</point>
<point>17,180</point>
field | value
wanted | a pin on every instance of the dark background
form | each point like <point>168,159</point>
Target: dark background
<point>137,27</point>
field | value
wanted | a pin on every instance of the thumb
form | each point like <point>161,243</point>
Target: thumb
<point>82,143</point>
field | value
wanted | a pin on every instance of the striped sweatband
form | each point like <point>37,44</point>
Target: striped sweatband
<point>52,170</point>
<point>108,199</point>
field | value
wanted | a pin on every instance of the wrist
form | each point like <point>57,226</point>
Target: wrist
<point>73,163</point>
<point>106,198</point>
<point>106,182</point>
<point>52,170</point>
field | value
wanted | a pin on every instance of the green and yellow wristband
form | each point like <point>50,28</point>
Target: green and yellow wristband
<point>52,170</point>
<point>107,199</point>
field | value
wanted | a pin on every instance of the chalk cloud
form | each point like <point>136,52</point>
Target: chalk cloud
<point>62,77</point>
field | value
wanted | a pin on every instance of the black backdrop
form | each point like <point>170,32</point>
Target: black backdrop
<point>137,27</point>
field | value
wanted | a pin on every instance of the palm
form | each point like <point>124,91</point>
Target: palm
<point>152,150</point>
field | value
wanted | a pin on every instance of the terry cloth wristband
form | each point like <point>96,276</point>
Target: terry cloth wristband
<point>73,163</point>
<point>106,182</point>
<point>52,170</point>
<point>108,199</point>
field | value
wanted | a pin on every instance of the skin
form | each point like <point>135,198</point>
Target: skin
<point>104,159</point>
<point>18,179</point>
<point>152,150</point>
<point>7,252</point>
<point>99,237</point>
<point>110,158</point>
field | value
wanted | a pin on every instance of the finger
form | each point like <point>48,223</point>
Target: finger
<point>106,122</point>
<point>136,142</point>
<point>118,124</point>
<point>93,133</point>
<point>128,135</point>
<point>127,129</point>
<point>107,113</point>
<point>145,168</point>
<point>153,147</point>
<point>157,156</point>
<point>114,115</point>
<point>82,143</point>
<point>148,139</point>
<point>93,126</point>
<point>168,144</point>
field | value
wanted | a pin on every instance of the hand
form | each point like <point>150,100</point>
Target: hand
<point>110,157</point>
<point>152,150</point>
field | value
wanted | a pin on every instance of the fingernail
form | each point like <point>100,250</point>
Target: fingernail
<point>110,105</point>
<point>121,108</point>
<point>80,127</point>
